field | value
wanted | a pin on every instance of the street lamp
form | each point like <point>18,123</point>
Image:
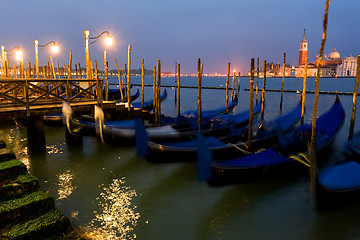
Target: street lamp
<point>108,41</point>
<point>18,55</point>
<point>54,49</point>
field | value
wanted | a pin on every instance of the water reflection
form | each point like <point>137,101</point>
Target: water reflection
<point>54,149</point>
<point>65,185</point>
<point>117,217</point>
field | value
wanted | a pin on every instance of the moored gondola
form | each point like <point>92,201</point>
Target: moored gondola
<point>338,184</point>
<point>289,153</point>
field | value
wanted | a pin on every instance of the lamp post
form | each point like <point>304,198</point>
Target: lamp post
<point>18,56</point>
<point>54,49</point>
<point>108,41</point>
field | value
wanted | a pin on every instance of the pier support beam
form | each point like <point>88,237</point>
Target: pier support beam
<point>36,133</point>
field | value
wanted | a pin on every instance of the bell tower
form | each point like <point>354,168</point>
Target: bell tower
<point>303,50</point>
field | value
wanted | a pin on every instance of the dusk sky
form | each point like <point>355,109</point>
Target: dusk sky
<point>218,32</point>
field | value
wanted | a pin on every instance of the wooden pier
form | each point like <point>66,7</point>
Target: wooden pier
<point>32,99</point>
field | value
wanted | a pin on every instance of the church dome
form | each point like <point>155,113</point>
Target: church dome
<point>334,54</point>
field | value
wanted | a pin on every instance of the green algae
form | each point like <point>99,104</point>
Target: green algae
<point>48,224</point>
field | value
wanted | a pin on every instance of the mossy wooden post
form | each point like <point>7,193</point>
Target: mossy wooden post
<point>106,78</point>
<point>282,83</point>
<point>142,82</point>
<point>304,92</point>
<point>175,81</point>
<point>227,90</point>
<point>154,89</point>
<point>239,82</point>
<point>317,81</point>
<point>128,77</point>
<point>356,88</point>
<point>199,103</point>
<point>158,104</point>
<point>251,105</point>
<point>257,80</point>
<point>263,93</point>
<point>178,89</point>
<point>119,76</point>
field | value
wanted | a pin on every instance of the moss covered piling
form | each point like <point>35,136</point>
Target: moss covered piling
<point>26,211</point>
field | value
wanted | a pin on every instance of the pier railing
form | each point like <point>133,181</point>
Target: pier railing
<point>25,93</point>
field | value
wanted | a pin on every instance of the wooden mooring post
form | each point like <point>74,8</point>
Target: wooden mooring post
<point>227,89</point>
<point>304,92</point>
<point>36,133</point>
<point>263,93</point>
<point>142,83</point>
<point>282,84</point>
<point>178,90</point>
<point>175,81</point>
<point>158,102</point>
<point>251,104</point>
<point>313,158</point>
<point>119,76</point>
<point>199,103</point>
<point>257,80</point>
<point>356,88</point>
<point>128,78</point>
<point>154,91</point>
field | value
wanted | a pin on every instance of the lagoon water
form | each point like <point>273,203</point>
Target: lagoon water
<point>110,193</point>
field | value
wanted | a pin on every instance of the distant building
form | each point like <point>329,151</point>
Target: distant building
<point>303,50</point>
<point>347,68</point>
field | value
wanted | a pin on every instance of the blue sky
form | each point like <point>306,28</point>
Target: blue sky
<point>218,32</point>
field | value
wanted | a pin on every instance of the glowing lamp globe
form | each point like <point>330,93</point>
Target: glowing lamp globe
<point>54,49</point>
<point>108,40</point>
<point>18,55</point>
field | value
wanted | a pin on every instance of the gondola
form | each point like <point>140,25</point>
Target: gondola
<point>121,132</point>
<point>288,154</point>
<point>148,105</point>
<point>59,118</point>
<point>114,94</point>
<point>230,145</point>
<point>132,97</point>
<point>339,183</point>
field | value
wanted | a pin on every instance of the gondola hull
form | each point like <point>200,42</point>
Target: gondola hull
<point>258,165</point>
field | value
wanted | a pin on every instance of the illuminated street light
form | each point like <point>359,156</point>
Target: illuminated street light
<point>54,49</point>
<point>108,42</point>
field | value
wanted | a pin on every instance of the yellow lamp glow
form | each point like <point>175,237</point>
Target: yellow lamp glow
<point>54,49</point>
<point>18,55</point>
<point>108,40</point>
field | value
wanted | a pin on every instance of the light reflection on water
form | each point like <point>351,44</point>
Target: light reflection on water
<point>54,149</point>
<point>116,218</point>
<point>65,184</point>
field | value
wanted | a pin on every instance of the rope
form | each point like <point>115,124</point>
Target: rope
<point>300,160</point>
<point>237,147</point>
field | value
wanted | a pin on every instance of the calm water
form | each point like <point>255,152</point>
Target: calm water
<point>111,193</point>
